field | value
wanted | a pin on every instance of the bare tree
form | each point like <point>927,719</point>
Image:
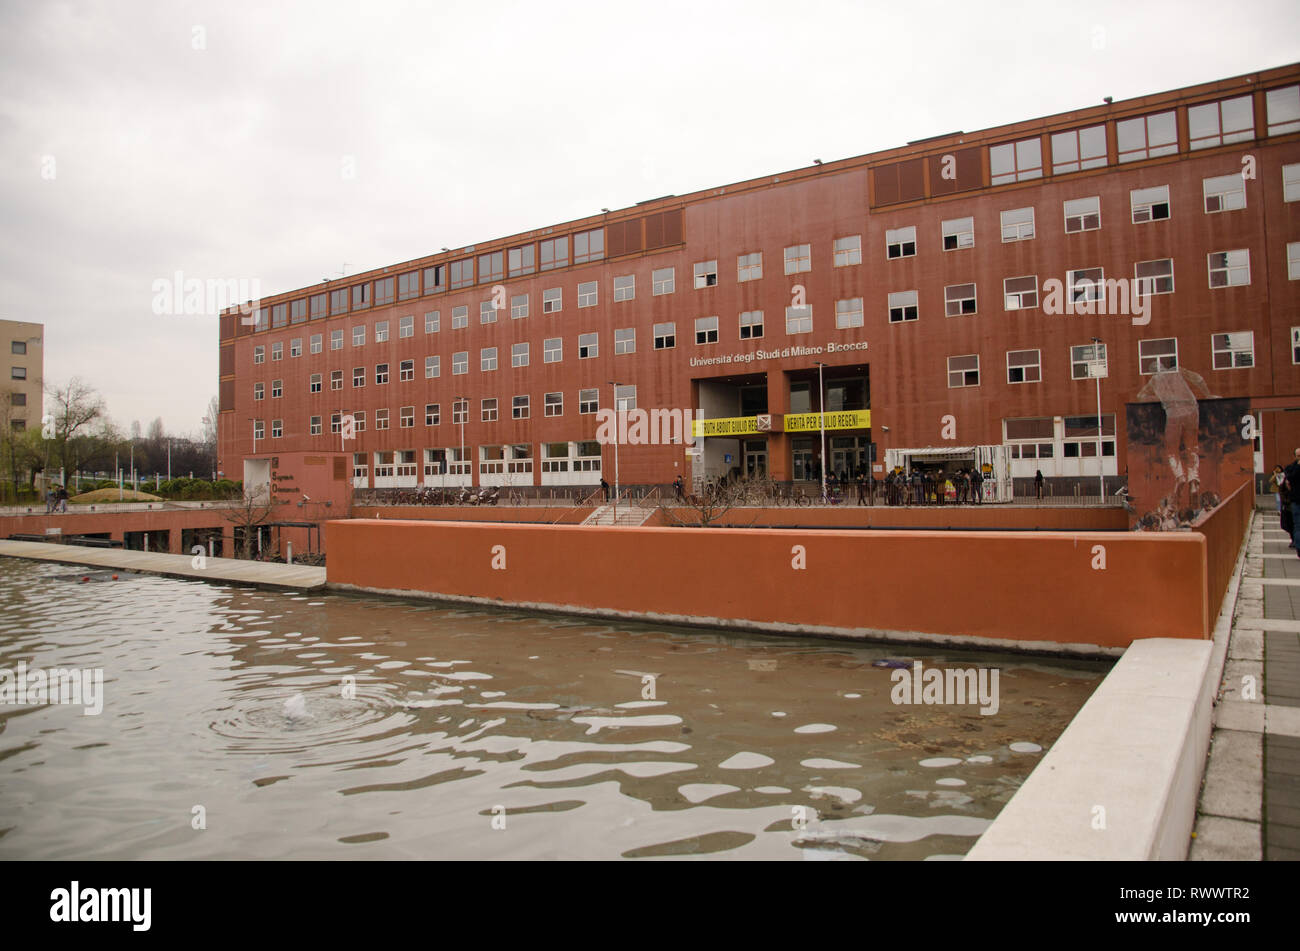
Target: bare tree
<point>72,409</point>
<point>716,500</point>
<point>250,509</point>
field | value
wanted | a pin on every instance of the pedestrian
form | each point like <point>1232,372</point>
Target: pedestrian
<point>63,498</point>
<point>862,487</point>
<point>966,485</point>
<point>977,486</point>
<point>679,489</point>
<point>1275,483</point>
<point>51,499</point>
<point>1038,483</point>
<point>1285,519</point>
<point>1292,473</point>
<point>604,487</point>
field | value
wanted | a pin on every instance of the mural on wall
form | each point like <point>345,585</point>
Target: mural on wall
<point>1186,451</point>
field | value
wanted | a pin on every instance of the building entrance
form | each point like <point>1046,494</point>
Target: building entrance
<point>755,458</point>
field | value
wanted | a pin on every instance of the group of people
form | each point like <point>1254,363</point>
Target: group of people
<point>1285,484</point>
<point>925,486</point>
<point>56,499</point>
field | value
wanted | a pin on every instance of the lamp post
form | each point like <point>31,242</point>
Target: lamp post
<point>821,415</point>
<point>464,412</point>
<point>1098,368</point>
<point>616,422</point>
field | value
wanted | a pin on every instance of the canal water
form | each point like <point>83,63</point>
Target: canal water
<point>239,723</point>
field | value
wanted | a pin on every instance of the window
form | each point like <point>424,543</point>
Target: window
<point>1233,351</point>
<point>1024,366</point>
<point>749,267</point>
<point>435,278</point>
<point>902,306</point>
<point>588,346</point>
<point>1293,261</point>
<point>1085,284</point>
<point>848,313</point>
<point>358,336</point>
<point>298,311</point>
<point>18,399</point>
<point>519,354</point>
<point>588,401</point>
<point>277,428</point>
<point>522,260</point>
<point>706,330</point>
<point>432,367</point>
<point>1155,356</point>
<point>339,301</point>
<point>381,331</point>
<point>18,425</point>
<point>277,389</point>
<point>1229,268</point>
<point>405,327</point>
<point>552,300</point>
<point>625,340</point>
<point>625,287</point>
<point>1218,123</point>
<point>1283,107</point>
<point>408,285</point>
<point>900,242</point>
<point>279,315</point>
<point>552,350</point>
<point>964,371</point>
<point>460,412</point>
<point>1149,204</point>
<point>259,389</point>
<point>319,304</point>
<point>553,404</point>
<point>518,306</point>
<point>381,374</point>
<point>360,296</point>
<point>336,379</point>
<point>959,299</point>
<point>587,294</point>
<point>665,336</point>
<point>848,250</point>
<point>315,425</point>
<point>358,377</point>
<point>1079,149</point>
<point>798,258</point>
<point>554,253</point>
<point>432,414</point>
<point>336,339</point>
<point>662,281</point>
<point>433,321</point>
<point>462,273</point>
<point>460,317</point>
<point>259,354</point>
<point>751,325</point>
<point>1291,182</point>
<point>1295,344</point>
<point>277,351</point>
<point>588,246</point>
<point>1017,224</point>
<point>295,347</point>
<point>381,419</point>
<point>336,422</point>
<point>491,267</point>
<point>958,233</point>
<point>487,312</point>
<point>798,320</point>
<point>706,274</point>
<point>1016,161</point>
<point>1154,277</point>
<point>1082,214</point>
<point>384,289</point>
<point>519,408</point>
<point>1020,293</point>
<point>487,359</point>
<point>1084,356</point>
<point>406,371</point>
<point>1225,193</point>
<point>316,343</point>
<point>460,363</point>
<point>314,383</point>
<point>488,410</point>
<point>1147,136</point>
<point>259,429</point>
<point>406,417</point>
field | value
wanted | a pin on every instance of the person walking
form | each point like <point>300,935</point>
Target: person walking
<point>1285,519</point>
<point>1038,483</point>
<point>1292,474</point>
<point>604,487</point>
<point>63,498</point>
<point>679,489</point>
<point>977,486</point>
<point>862,487</point>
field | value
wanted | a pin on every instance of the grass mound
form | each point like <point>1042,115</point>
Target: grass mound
<point>100,496</point>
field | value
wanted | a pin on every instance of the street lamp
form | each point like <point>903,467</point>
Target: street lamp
<point>821,414</point>
<point>464,412</point>
<point>616,422</point>
<point>1098,368</point>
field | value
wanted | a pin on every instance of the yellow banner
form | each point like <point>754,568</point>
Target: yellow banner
<point>728,426</point>
<point>846,419</point>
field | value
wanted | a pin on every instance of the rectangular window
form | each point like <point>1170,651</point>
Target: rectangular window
<point>798,258</point>
<point>552,350</point>
<point>799,320</point>
<point>336,379</point>
<point>18,347</point>
<point>706,330</point>
<point>1154,277</point>
<point>553,404</point>
<point>625,340</point>
<point>405,327</point>
<point>588,346</point>
<point>460,412</point>
<point>749,267</point>
<point>848,250</point>
<point>519,354</point>
<point>277,389</point>
<point>625,398</point>
<point>277,350</point>
<point>1082,358</point>
<point>295,347</point>
<point>381,331</point>
<point>319,305</point>
<point>587,294</point>
<point>665,336</point>
<point>1219,123</point>
<point>339,301</point>
<point>435,278</point>
<point>518,306</point>
<point>462,273</point>
<point>460,363</point>
<point>432,367</point>
<point>848,313</point>
<point>433,321</point>
<point>259,389</point>
<point>315,425</point>
<point>522,260</point>
<point>381,419</point>
<point>1156,356</point>
<point>1017,224</point>
<point>554,253</point>
<point>1024,366</point>
<point>314,383</point>
<point>1225,193</point>
<point>460,317</point>
<point>336,339</point>
<point>1020,293</point>
<point>751,325</point>
<point>1229,268</point>
<point>359,421</point>
<point>1147,136</point>
<point>519,407</point>
<point>588,401</point>
<point>1016,161</point>
<point>625,287</point>
<point>1082,214</point>
<point>358,336</point>
<point>1291,182</point>
<point>958,233</point>
<point>1233,351</point>
<point>259,354</point>
<point>706,274</point>
<point>406,371</point>
<point>487,359</point>
<point>964,371</point>
<point>1293,261</point>
<point>1078,149</point>
<point>358,377</point>
<point>552,300</point>
<point>1149,204</point>
<point>360,296</point>
<point>279,315</point>
<point>381,374</point>
<point>487,312</point>
<point>588,246</point>
<point>959,299</point>
<point>900,242</point>
<point>1295,345</point>
<point>336,422</point>
<point>385,289</point>
<point>406,417</point>
<point>491,267</point>
<point>488,411</point>
<point>277,428</point>
<point>298,311</point>
<point>903,306</point>
<point>1283,106</point>
<point>408,285</point>
<point>259,429</point>
<point>432,414</point>
<point>316,343</point>
<point>1086,284</point>
<point>662,281</point>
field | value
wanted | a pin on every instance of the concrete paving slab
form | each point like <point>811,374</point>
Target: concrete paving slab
<point>1282,721</point>
<point>1225,840</point>
<point>1233,777</point>
<point>1245,715</point>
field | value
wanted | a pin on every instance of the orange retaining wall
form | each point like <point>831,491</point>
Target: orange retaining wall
<point>1036,590</point>
<point>991,517</point>
<point>1224,528</point>
<point>551,514</point>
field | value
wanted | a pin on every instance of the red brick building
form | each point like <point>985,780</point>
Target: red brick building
<point>929,280</point>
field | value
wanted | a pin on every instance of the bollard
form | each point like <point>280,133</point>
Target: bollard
<point>289,546</point>
<point>210,545</point>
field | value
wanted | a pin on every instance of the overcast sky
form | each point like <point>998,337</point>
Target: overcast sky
<point>144,138</point>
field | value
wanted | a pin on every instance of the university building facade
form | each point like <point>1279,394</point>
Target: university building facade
<point>944,293</point>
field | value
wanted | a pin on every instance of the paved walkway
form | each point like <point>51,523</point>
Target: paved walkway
<point>1250,802</point>
<point>233,570</point>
